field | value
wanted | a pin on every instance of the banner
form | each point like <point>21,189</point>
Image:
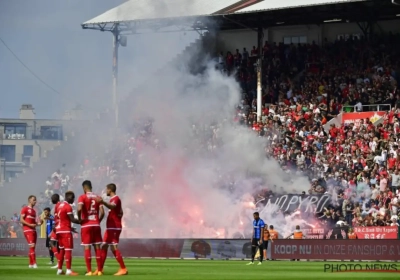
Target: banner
<point>387,232</point>
<point>357,118</point>
<point>325,233</point>
<point>313,233</point>
<point>145,248</point>
<point>216,249</point>
<point>336,250</point>
<point>291,202</point>
<point>337,233</point>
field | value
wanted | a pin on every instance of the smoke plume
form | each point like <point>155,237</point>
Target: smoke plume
<point>207,168</point>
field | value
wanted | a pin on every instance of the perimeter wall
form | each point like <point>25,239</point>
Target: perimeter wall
<point>307,249</point>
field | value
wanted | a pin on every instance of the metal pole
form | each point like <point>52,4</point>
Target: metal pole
<point>259,72</point>
<point>4,170</point>
<point>115,72</point>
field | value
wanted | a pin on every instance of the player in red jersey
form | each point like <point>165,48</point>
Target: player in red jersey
<point>114,228</point>
<point>64,233</point>
<point>55,199</point>
<point>29,222</point>
<point>90,213</point>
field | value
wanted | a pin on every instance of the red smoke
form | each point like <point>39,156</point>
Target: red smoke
<point>173,189</point>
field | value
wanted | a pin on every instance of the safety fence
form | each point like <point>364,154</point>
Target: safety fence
<point>367,108</point>
<point>282,249</point>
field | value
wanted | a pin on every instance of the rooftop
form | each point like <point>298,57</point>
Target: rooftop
<point>234,14</point>
<point>141,10</point>
<point>279,4</point>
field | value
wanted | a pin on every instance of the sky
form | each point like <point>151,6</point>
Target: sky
<point>47,37</point>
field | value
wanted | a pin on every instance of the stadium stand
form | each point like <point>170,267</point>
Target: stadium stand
<point>345,160</point>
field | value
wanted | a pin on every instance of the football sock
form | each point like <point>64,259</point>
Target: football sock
<point>253,253</point>
<point>99,260</point>
<point>32,255</point>
<point>68,259</point>
<point>103,257</point>
<point>61,258</point>
<point>51,255</point>
<point>88,259</point>
<point>55,252</point>
<point>118,257</point>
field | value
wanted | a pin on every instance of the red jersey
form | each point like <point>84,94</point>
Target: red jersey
<point>90,209</point>
<point>64,223</point>
<point>56,219</point>
<point>114,219</point>
<point>29,215</point>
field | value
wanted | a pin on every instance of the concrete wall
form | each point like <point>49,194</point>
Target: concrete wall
<point>238,39</point>
<point>312,32</point>
<point>331,31</point>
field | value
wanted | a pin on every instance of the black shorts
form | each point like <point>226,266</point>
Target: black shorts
<point>49,242</point>
<point>255,242</point>
<point>265,245</point>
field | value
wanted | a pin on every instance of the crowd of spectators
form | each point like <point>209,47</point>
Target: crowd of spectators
<point>356,162</point>
<point>10,228</point>
<point>305,86</point>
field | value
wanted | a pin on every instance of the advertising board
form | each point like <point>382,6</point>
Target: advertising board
<point>283,249</point>
<point>379,249</point>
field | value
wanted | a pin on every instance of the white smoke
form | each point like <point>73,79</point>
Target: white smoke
<point>185,197</point>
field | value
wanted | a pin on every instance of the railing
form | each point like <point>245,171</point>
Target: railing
<point>367,108</point>
<point>29,133</point>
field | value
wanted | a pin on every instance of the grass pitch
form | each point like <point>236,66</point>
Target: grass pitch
<point>17,268</point>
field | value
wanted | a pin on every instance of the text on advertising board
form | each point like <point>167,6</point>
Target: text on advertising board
<point>336,249</point>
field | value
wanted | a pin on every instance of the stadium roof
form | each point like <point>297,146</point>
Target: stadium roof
<point>270,13</point>
<point>235,14</point>
<point>284,4</point>
<point>140,10</point>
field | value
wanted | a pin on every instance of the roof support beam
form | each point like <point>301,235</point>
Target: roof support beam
<point>239,23</point>
<point>367,28</point>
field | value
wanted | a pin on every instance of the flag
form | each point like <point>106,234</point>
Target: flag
<point>257,253</point>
